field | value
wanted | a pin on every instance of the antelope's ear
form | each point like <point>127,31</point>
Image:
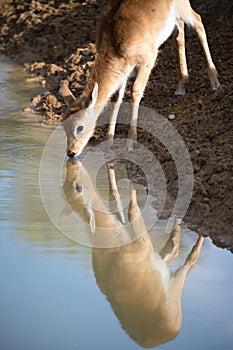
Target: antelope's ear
<point>93,96</point>
<point>67,95</point>
<point>66,212</point>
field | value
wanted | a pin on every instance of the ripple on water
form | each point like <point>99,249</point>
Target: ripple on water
<point>19,154</point>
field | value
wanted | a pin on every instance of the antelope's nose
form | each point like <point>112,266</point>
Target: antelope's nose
<point>71,154</point>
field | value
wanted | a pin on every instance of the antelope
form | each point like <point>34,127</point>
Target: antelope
<point>129,36</point>
<point>143,293</point>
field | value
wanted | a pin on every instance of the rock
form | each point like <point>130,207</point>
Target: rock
<point>171,116</point>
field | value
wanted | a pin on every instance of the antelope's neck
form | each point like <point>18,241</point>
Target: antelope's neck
<point>109,73</point>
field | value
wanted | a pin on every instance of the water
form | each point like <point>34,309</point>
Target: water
<point>48,293</point>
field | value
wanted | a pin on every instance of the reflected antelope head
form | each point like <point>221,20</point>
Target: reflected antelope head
<point>103,227</point>
<point>79,119</point>
<point>144,294</point>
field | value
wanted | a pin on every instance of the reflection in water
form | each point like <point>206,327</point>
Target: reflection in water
<point>143,293</point>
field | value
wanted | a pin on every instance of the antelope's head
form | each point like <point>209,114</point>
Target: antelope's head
<point>79,120</point>
<point>78,189</point>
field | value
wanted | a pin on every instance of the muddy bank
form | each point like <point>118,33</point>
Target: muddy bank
<point>56,41</point>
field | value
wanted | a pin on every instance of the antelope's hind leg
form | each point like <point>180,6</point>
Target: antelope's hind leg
<point>180,39</point>
<point>171,248</point>
<point>212,71</point>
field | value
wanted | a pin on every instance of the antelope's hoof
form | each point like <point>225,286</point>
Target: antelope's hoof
<point>218,94</point>
<point>178,94</point>
<point>130,146</point>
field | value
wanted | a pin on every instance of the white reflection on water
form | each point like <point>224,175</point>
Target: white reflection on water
<point>48,294</point>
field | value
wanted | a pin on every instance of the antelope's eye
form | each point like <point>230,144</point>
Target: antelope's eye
<point>79,129</point>
<point>78,188</point>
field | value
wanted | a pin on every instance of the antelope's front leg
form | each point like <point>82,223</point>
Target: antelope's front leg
<point>114,114</point>
<point>137,93</point>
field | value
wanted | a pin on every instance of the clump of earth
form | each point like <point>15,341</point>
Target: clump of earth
<point>55,40</point>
